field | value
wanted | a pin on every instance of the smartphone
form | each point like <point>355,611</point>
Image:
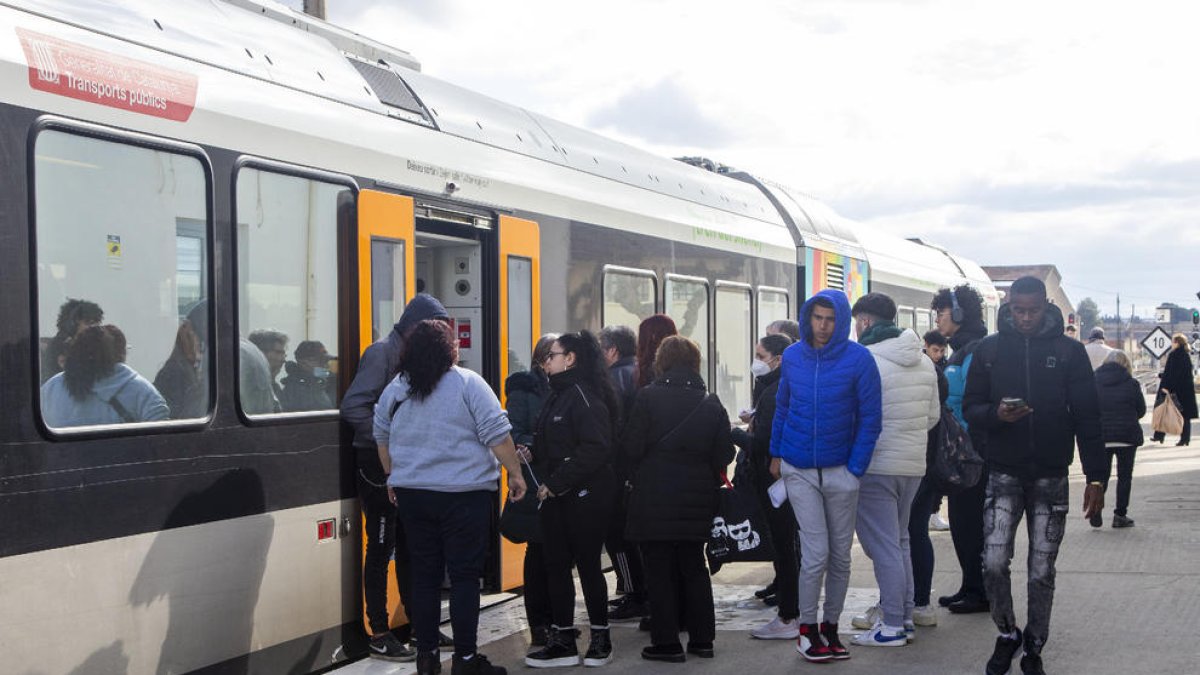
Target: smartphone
<point>1013,402</point>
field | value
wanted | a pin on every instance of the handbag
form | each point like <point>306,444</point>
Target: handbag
<point>1166,418</point>
<point>740,532</point>
<point>956,464</point>
<point>520,521</point>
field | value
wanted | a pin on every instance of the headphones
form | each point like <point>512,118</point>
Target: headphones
<point>956,313</point>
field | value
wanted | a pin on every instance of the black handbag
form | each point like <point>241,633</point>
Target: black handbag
<point>520,522</point>
<point>740,532</point>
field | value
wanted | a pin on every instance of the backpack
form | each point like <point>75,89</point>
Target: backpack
<point>956,465</point>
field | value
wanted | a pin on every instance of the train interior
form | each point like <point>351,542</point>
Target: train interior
<point>449,269</point>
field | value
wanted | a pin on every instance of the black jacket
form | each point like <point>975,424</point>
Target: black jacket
<point>181,385</point>
<point>303,390</point>
<point>573,438</point>
<point>765,389</point>
<point>1053,374</point>
<point>378,365</point>
<point>1177,379</point>
<point>1122,405</point>
<point>675,478</point>
<point>623,373</point>
<point>527,392</point>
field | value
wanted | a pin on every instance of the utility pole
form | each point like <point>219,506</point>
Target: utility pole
<point>315,8</point>
<point>1119,321</point>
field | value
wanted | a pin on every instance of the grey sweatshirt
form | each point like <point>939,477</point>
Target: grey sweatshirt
<point>443,442</point>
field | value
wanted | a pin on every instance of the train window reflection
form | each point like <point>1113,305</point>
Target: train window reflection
<point>735,347</point>
<point>520,313</point>
<point>122,265</point>
<point>772,306</point>
<point>687,304</point>
<point>629,296</point>
<point>287,292</point>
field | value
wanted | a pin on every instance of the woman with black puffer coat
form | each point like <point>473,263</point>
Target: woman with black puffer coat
<point>1122,406</point>
<point>1177,379</point>
<point>573,452</point>
<point>678,442</point>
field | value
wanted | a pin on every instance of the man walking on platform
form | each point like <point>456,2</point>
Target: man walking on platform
<point>827,420</point>
<point>1032,392</point>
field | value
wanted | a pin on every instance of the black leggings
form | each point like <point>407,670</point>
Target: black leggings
<point>574,527</point>
<point>1125,456</point>
<point>385,539</point>
<point>966,529</point>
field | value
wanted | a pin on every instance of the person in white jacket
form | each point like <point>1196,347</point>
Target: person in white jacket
<point>886,491</point>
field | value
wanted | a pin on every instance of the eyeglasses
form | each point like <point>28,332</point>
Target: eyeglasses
<point>552,355</point>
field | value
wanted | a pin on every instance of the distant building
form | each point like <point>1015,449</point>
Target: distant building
<point>1002,277</point>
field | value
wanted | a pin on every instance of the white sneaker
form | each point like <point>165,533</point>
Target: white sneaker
<point>868,619</point>
<point>937,523</point>
<point>925,615</point>
<point>777,629</point>
<point>881,636</point>
<point>910,630</point>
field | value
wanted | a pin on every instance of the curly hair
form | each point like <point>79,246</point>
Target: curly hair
<point>968,298</point>
<point>74,312</point>
<point>428,354</point>
<point>91,358</point>
<point>589,361</point>
<point>651,332</point>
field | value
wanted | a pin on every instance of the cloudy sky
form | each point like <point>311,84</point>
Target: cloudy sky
<point>1019,132</point>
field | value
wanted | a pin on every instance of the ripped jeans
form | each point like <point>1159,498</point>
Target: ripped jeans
<point>1044,501</point>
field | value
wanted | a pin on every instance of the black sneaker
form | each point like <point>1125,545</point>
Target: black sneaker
<point>764,592</point>
<point>560,650</point>
<point>668,653</point>
<point>1002,655</point>
<point>1122,521</point>
<point>387,647</point>
<point>1096,520</point>
<point>1031,664</point>
<point>537,636</point>
<point>600,649</point>
<point>429,663</point>
<point>771,601</point>
<point>476,665</point>
<point>947,600</point>
<point>830,634</point>
<point>970,604</point>
<point>627,610</point>
<point>702,649</point>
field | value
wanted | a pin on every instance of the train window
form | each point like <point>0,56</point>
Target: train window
<point>923,322</point>
<point>687,305</point>
<point>735,347</point>
<point>904,317</point>
<point>520,313</point>
<point>772,306</point>
<point>387,285</point>
<point>629,296</point>
<point>287,314</point>
<point>122,270</point>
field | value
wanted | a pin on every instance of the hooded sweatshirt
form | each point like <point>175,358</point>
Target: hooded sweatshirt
<point>1052,373</point>
<point>124,390</point>
<point>829,404</point>
<point>378,365</point>
<point>910,405</point>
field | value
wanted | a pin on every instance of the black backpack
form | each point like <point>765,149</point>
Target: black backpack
<point>956,466</point>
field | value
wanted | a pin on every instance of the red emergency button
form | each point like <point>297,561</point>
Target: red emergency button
<point>326,529</point>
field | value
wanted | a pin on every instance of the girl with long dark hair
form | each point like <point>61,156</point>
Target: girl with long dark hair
<point>96,387</point>
<point>651,332</point>
<point>440,431</point>
<point>573,456</point>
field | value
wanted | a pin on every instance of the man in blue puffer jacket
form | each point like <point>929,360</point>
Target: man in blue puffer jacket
<point>827,419</point>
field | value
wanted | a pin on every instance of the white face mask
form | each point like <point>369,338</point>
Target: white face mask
<point>320,373</point>
<point>759,368</point>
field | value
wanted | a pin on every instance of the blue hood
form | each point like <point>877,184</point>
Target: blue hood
<point>841,332</point>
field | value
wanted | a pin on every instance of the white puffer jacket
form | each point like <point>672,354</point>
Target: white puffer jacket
<point>910,405</point>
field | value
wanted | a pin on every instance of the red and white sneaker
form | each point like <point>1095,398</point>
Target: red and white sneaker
<point>810,644</point>
<point>829,632</point>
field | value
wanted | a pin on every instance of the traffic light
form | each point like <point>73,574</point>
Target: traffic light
<point>1196,317</point>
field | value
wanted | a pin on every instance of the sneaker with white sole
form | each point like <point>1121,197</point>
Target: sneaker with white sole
<point>937,523</point>
<point>868,619</point>
<point>777,629</point>
<point>811,645</point>
<point>881,636</point>
<point>389,648</point>
<point>925,615</point>
<point>910,630</point>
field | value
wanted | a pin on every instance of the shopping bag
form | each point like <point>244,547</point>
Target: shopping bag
<point>1166,418</point>
<point>739,532</point>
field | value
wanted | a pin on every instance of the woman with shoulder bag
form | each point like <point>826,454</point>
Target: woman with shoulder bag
<point>573,457</point>
<point>1177,379</point>
<point>678,443</point>
<point>1122,406</point>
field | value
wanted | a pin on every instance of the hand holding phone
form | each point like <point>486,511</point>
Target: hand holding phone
<point>1012,409</point>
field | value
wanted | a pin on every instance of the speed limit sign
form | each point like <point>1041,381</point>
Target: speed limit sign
<point>1157,342</point>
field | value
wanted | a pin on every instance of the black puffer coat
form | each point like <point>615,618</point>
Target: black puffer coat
<point>1122,405</point>
<point>1053,374</point>
<point>675,481</point>
<point>573,439</point>
<point>1177,379</point>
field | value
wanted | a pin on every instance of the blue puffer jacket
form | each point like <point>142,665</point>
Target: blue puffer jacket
<point>829,402</point>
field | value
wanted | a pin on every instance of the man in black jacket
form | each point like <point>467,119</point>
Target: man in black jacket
<point>1032,393</point>
<point>378,365</point>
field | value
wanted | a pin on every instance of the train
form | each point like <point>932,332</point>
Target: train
<point>203,172</point>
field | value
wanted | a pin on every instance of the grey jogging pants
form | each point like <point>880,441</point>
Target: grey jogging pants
<point>824,501</point>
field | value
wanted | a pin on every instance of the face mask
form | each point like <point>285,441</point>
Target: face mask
<point>320,373</point>
<point>759,368</point>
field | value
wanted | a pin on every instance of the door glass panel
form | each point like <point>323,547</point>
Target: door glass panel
<point>628,298</point>
<point>520,313</point>
<point>735,348</point>
<point>387,285</point>
<point>687,305</point>
<point>772,306</point>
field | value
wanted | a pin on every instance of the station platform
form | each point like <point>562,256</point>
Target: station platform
<point>1127,600</point>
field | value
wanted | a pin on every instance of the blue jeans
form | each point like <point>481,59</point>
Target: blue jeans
<point>447,531</point>
<point>1045,502</point>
